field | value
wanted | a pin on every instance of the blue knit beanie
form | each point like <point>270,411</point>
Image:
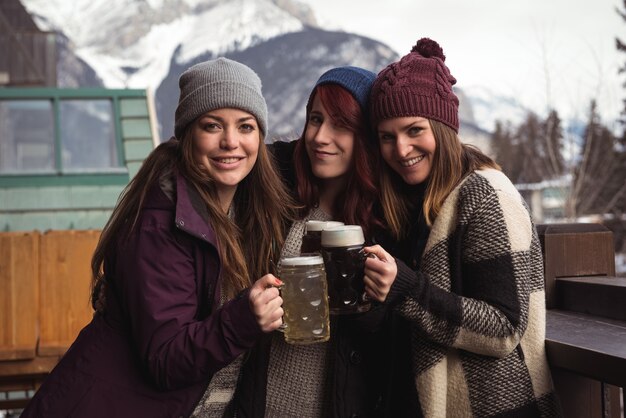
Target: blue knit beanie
<point>357,81</point>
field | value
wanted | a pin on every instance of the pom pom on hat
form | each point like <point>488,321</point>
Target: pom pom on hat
<point>419,84</point>
<point>428,48</point>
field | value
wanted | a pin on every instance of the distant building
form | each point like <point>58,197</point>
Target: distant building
<point>28,55</point>
<point>546,199</point>
<point>66,154</point>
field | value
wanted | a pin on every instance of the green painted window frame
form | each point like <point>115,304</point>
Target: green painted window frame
<point>114,176</point>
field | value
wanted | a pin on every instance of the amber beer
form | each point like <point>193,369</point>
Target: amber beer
<point>312,239</point>
<point>305,299</point>
<point>342,249</point>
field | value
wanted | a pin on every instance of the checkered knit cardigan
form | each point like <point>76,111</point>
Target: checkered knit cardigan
<point>478,310</point>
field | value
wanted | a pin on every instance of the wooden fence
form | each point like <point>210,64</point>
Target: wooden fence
<point>44,301</point>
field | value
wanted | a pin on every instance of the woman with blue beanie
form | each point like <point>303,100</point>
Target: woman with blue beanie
<point>180,294</point>
<point>331,172</point>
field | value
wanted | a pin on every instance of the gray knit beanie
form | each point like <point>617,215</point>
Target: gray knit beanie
<point>217,84</point>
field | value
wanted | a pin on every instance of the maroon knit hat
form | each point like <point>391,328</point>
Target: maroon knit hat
<point>419,84</point>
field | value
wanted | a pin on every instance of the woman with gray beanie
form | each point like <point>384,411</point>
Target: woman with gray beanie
<point>180,276</point>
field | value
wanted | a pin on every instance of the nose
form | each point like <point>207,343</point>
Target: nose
<point>229,139</point>
<point>322,134</point>
<point>403,147</point>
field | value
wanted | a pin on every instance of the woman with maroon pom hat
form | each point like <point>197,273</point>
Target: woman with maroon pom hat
<point>477,312</point>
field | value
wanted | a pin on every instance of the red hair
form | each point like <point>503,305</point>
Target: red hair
<point>361,190</point>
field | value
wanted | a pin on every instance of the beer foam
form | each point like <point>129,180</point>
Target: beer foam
<point>342,236</point>
<point>309,260</point>
<point>321,225</point>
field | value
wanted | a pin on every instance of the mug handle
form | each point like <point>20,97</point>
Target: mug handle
<point>365,255</point>
<point>283,326</point>
<point>275,271</point>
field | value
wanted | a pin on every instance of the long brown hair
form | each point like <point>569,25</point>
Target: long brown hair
<point>262,207</point>
<point>361,190</point>
<point>452,161</point>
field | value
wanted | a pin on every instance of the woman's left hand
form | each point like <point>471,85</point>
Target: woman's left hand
<point>380,272</point>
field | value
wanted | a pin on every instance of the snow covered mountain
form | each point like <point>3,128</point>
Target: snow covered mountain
<point>148,43</point>
<point>487,107</point>
<point>288,65</point>
<point>130,43</point>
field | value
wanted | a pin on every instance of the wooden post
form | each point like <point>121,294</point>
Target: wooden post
<point>575,250</point>
<point>65,283</point>
<point>19,294</point>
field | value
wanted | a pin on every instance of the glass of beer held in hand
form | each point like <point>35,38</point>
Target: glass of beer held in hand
<point>305,299</point>
<point>344,259</point>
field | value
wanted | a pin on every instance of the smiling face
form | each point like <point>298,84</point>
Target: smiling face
<point>329,146</point>
<point>226,144</point>
<point>408,146</point>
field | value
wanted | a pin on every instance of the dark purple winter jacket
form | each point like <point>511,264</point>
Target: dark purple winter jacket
<point>162,337</point>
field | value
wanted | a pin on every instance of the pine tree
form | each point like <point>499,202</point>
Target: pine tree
<point>594,176</point>
<point>530,150</point>
<point>533,151</point>
<point>553,136</point>
<point>505,150</point>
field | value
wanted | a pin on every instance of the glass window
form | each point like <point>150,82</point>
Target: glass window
<point>26,136</point>
<point>88,135</point>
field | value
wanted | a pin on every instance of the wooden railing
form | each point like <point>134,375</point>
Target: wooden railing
<point>586,319</point>
<point>44,287</point>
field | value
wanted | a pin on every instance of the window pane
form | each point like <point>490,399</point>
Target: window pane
<point>26,136</point>
<point>88,135</point>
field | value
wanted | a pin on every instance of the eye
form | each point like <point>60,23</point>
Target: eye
<point>211,126</point>
<point>340,127</point>
<point>246,128</point>
<point>315,120</point>
<point>386,138</point>
<point>415,130</point>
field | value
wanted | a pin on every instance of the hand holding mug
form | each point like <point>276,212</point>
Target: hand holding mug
<point>266,303</point>
<point>380,273</point>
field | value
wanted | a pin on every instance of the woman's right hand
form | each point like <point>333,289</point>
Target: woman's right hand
<point>380,272</point>
<point>266,303</point>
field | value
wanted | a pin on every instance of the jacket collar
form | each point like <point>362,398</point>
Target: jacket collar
<point>192,215</point>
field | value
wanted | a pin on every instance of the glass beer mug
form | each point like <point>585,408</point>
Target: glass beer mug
<point>344,259</point>
<point>305,299</point>
<point>312,239</point>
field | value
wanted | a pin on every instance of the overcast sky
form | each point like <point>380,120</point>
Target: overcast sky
<point>542,52</point>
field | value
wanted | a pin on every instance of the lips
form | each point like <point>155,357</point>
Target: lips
<point>229,160</point>
<point>323,154</point>
<point>225,163</point>
<point>412,161</point>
